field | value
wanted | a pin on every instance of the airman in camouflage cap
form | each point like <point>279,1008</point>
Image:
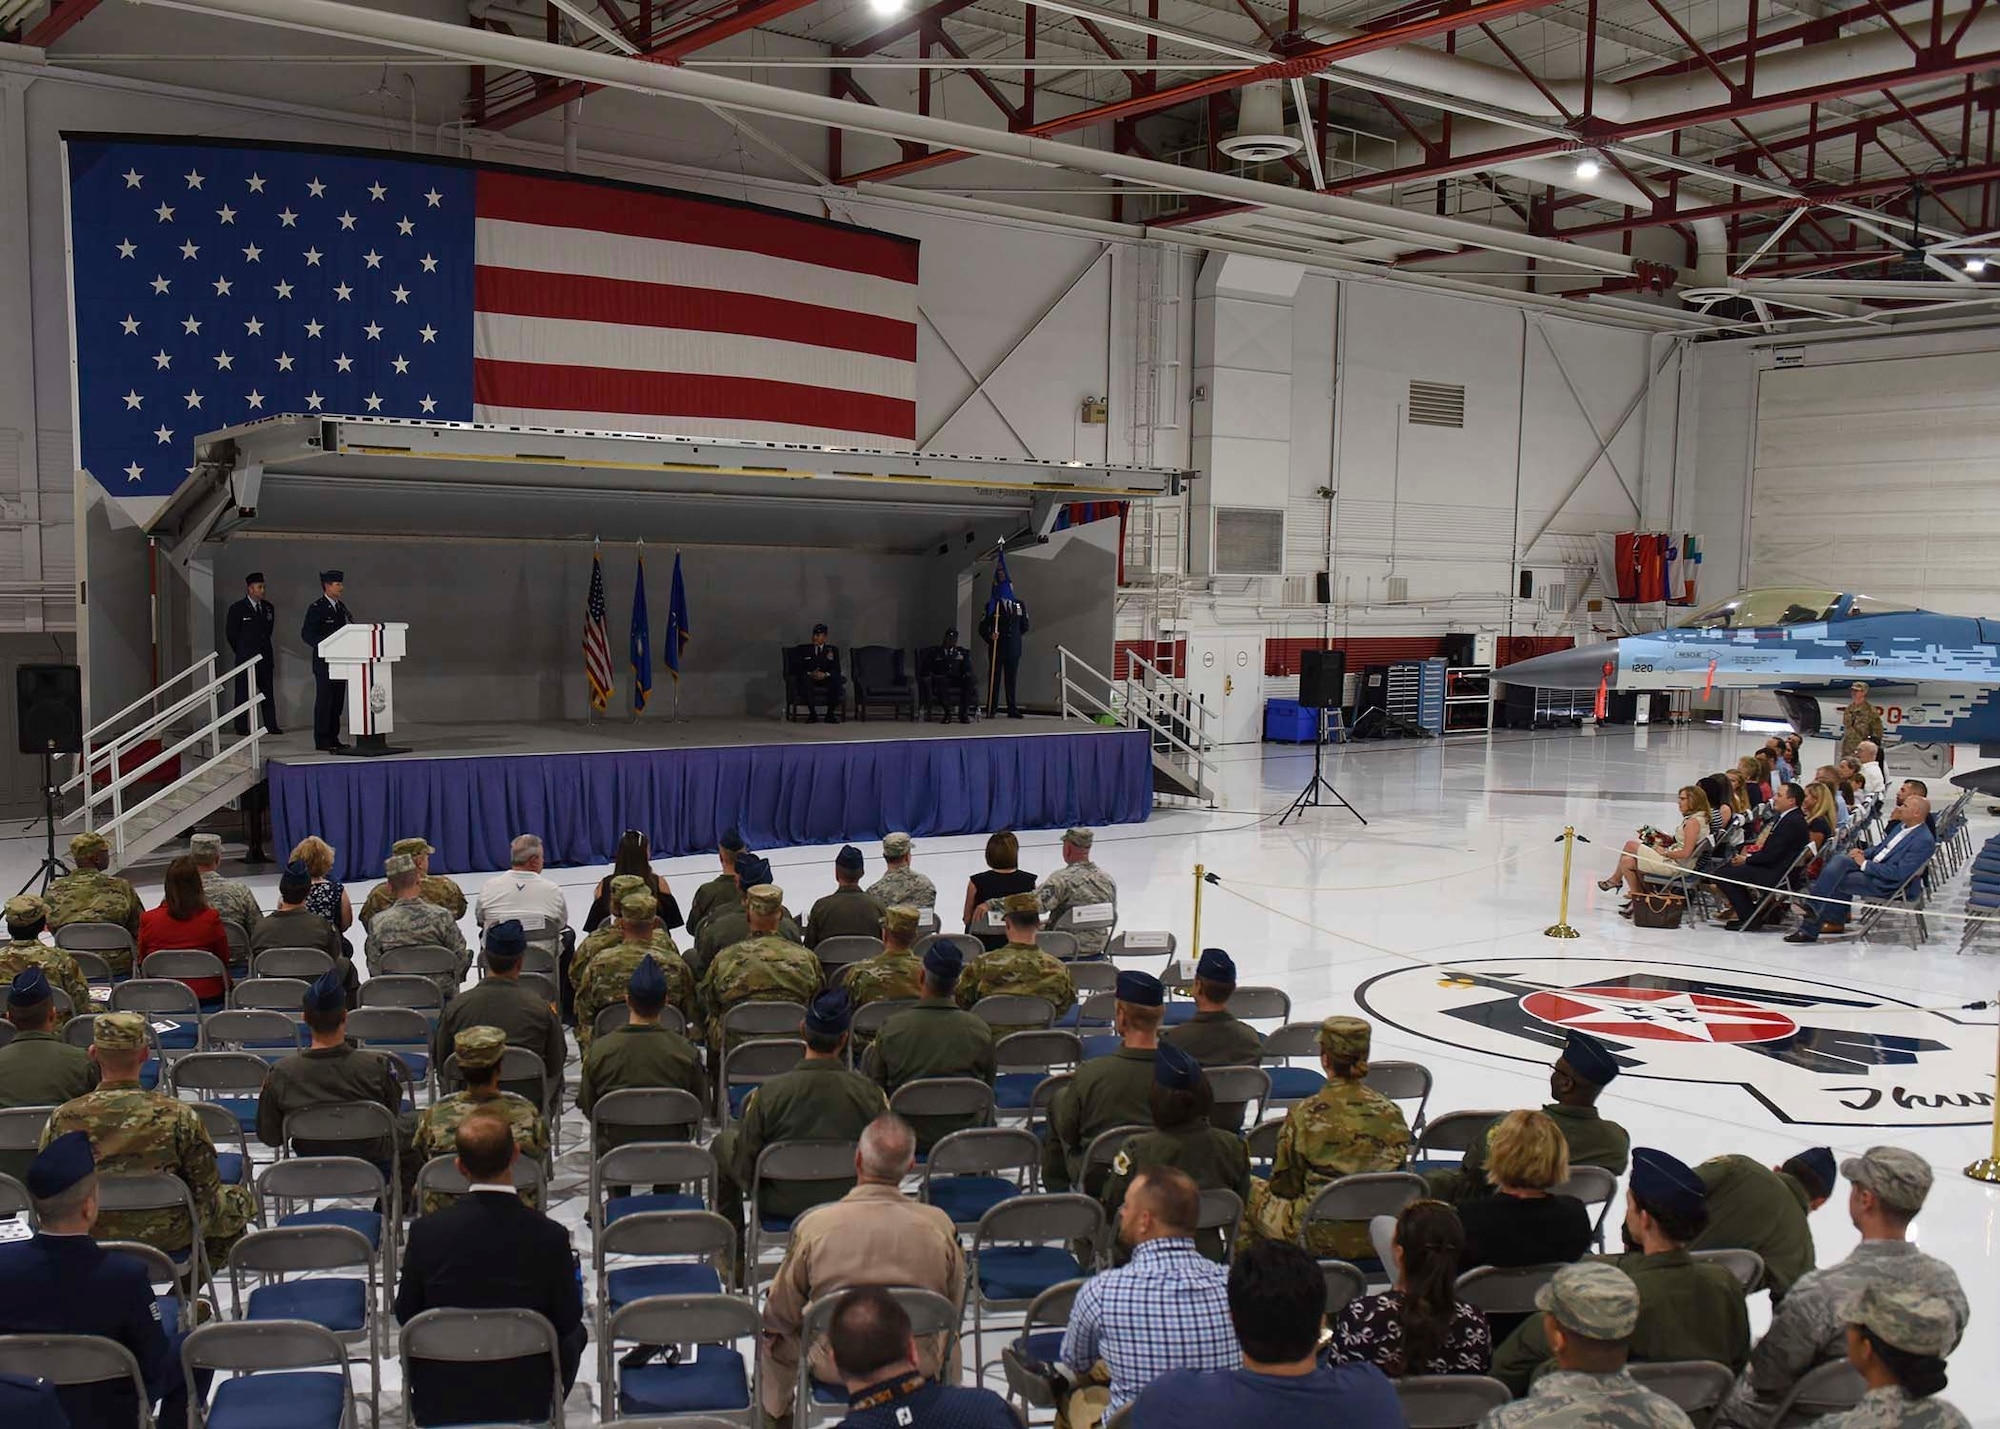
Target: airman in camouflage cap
<point>900,883</point>
<point>639,907</point>
<point>765,898</point>
<point>897,846</point>
<point>118,1031</point>
<point>398,863</point>
<point>1019,967</point>
<point>1910,1318</point>
<point>1080,837</point>
<point>892,974</point>
<point>479,1047</point>
<point>1021,904</point>
<point>25,910</point>
<point>1594,1299</point>
<point>609,934</point>
<point>763,967</point>
<point>1078,884</point>
<point>91,895</point>
<point>24,949</point>
<point>616,949</point>
<point>205,846</point>
<point>1345,1038</point>
<point>1900,1179</point>
<point>900,918</point>
<point>89,846</point>
<point>433,888</point>
<point>415,848</point>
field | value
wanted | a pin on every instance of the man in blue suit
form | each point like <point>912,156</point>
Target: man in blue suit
<point>1872,875</point>
<point>61,1282</point>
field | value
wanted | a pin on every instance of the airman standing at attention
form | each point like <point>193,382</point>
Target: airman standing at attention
<point>1343,1129</point>
<point>91,895</point>
<point>1859,720</point>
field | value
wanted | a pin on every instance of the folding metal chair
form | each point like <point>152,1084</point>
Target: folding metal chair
<point>400,990</point>
<point>1093,977</point>
<point>1135,943</point>
<point>359,1126</point>
<point>478,1337</point>
<point>231,1080</point>
<point>1021,1248</point>
<point>97,939</point>
<point>1453,1133</point>
<point>15,1202</point>
<point>21,1127</point>
<point>1043,1097</point>
<point>306,963</point>
<point>721,1382</point>
<point>942,1096</point>
<point>424,960</point>
<point>931,1315</point>
<point>661,1253</point>
<point>1697,1386</point>
<point>1402,1082</point>
<point>1058,943</point>
<point>238,938</point>
<point>827,1164</point>
<point>1221,1210</point>
<point>1102,1150</point>
<point>342,1191</point>
<point>1449,1401</point>
<point>176,1308</point>
<point>846,948</point>
<point>1505,1290</point>
<point>1014,1011</point>
<point>1261,1141</point>
<point>440,1176</point>
<point>183,965</point>
<point>65,1360</point>
<point>1345,1283</point>
<point>963,1175</point>
<point>1594,1186</point>
<point>1025,1060</point>
<point>1261,1004</point>
<point>94,967</point>
<point>1291,1084</point>
<point>1027,1360</point>
<point>402,1032</point>
<point>1746,1265</point>
<point>270,1034</point>
<point>747,1066</point>
<point>1831,1388</point>
<point>650,1163</point>
<point>1091,1013</point>
<point>157,1191</point>
<point>967,944</point>
<point>1235,1088</point>
<point>290,1264</point>
<point>1361,1198</point>
<point>754,1021</point>
<point>610,1019</point>
<point>869,1020</point>
<point>169,1006</point>
<point>644,1114</point>
<point>272,994</point>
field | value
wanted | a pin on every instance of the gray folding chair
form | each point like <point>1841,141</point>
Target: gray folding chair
<point>1697,1386</point>
<point>749,1065</point>
<point>944,1096</point>
<point>1261,1141</point>
<point>845,948</point>
<point>610,1019</point>
<point>1402,1082</point>
<point>65,1360</point>
<point>96,938</point>
<point>238,938</point>
<point>827,1164</point>
<point>1093,977</point>
<point>271,1034</point>
<point>291,1264</point>
<point>1825,1389</point>
<point>1449,1401</point>
<point>1014,1010</point>
<point>335,1191</point>
<point>869,1017</point>
<point>359,1125</point>
<point>1023,1247</point>
<point>931,1316</point>
<point>1044,1095</point>
<point>650,1163</point>
<point>402,1032</point>
<point>230,1080</point>
<point>1746,1265</point>
<point>182,965</point>
<point>163,999</point>
<point>1597,1188</point>
<point>644,1114</point>
<point>1345,1283</point>
<point>1235,1088</point>
<point>273,994</point>
<point>1451,1134</point>
<point>730,1380</point>
<point>93,966</point>
<point>440,1176</point>
<point>967,944</point>
<point>157,1191</point>
<point>1103,1150</point>
<point>160,1271</point>
<point>15,1201</point>
<point>756,1020</point>
<point>1290,1084</point>
<point>1058,943</point>
<point>1261,1004</point>
<point>1024,1061</point>
<point>1505,1290</point>
<point>21,1127</point>
<point>659,1253</point>
<point>425,960</point>
<point>306,963</point>
<point>286,1355</point>
<point>1361,1198</point>
<point>1221,1210</point>
<point>482,1336</point>
<point>1142,943</point>
<point>965,1175</point>
<point>401,990</point>
<point>225,1128</point>
<point>1027,1360</point>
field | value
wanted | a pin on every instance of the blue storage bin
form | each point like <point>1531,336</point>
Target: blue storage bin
<point>1290,722</point>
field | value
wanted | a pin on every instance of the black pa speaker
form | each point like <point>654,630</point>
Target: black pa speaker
<point>1322,673</point>
<point>48,708</point>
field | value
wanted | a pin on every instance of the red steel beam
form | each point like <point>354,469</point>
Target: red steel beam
<point>1305,63</point>
<point>61,19</point>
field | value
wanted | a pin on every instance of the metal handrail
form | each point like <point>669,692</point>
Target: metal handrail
<point>248,741</point>
<point>92,758</point>
<point>1196,708</point>
<point>207,660</point>
<point>1066,658</point>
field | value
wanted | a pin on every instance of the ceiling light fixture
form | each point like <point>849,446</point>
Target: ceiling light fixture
<point>1975,265</point>
<point>1587,166</point>
<point>886,9</point>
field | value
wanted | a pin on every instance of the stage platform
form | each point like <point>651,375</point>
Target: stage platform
<point>470,788</point>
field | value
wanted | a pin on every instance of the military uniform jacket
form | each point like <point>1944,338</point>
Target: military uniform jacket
<point>134,1132</point>
<point>728,926</point>
<point>1076,885</point>
<point>517,1011</point>
<point>845,912</point>
<point>904,885</point>
<point>639,1054</point>
<point>1218,1039</point>
<point>610,935</point>
<point>610,975</point>
<point>413,923</point>
<point>92,896</point>
<point>1752,1207</point>
<point>820,660</point>
<point>248,626</point>
<point>887,975</point>
<point>1808,1329</point>
<point>300,928</point>
<point>817,1100</point>
<point>437,1135</point>
<point>1105,1092</point>
<point>320,1076</point>
<point>1021,969</point>
<point>432,888</point>
<point>1215,1160</point>
<point>719,892</point>
<point>932,1039</point>
<point>1571,1399</point>
<point>40,1069</point>
<point>1857,723</point>
<point>1892,1407</point>
<point>767,969</point>
<point>1688,1310</point>
<point>234,902</point>
<point>18,955</point>
<point>69,1285</point>
<point>323,617</point>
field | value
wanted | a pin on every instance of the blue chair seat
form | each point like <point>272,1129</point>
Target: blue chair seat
<point>638,1281</point>
<point>1295,1083</point>
<point>1012,1091</point>
<point>656,1201</point>
<point>1021,1272</point>
<point>1101,1046</point>
<point>824,1393</point>
<point>216,1004</point>
<point>339,1304</point>
<point>419,1063</point>
<point>181,1035</point>
<point>243,1108</point>
<point>170,1313</point>
<point>774,1225</point>
<point>1178,1013</point>
<point>966,1198</point>
<point>1042,1347</point>
<point>229,1166</point>
<point>293,1399</point>
<point>715,1381</point>
<point>739,1093</point>
<point>149,1075</point>
<point>1073,1019</point>
<point>367,1222</point>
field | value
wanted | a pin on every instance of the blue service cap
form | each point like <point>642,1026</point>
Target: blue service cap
<point>507,939</point>
<point>30,987</point>
<point>751,870</point>
<point>1590,1059</point>
<point>326,993</point>
<point>849,857</point>
<point>1216,966</point>
<point>647,983</point>
<point>60,1165</point>
<point>1140,989</point>
<point>944,959</point>
<point>819,629</point>
<point>1667,1182</point>
<point>1175,1070</point>
<point>297,869</point>
<point>831,1012</point>
<point>732,839</point>
<point>1819,1161</point>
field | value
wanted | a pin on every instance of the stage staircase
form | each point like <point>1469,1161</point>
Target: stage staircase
<point>1148,698</point>
<point>166,761</point>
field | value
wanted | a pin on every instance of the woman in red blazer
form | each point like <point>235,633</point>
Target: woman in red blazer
<point>184,920</point>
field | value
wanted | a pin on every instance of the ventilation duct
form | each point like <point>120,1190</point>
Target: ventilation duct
<point>1260,134</point>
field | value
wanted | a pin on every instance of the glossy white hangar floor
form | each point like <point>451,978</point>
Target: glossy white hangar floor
<point>1429,921</point>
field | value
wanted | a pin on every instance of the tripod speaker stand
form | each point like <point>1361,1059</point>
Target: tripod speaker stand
<point>1309,797</point>
<point>48,720</point>
<point>52,867</point>
<point>1322,681</point>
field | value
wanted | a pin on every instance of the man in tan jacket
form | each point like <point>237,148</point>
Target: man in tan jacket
<point>874,1235</point>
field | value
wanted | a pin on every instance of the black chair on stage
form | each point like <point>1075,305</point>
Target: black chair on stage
<point>934,691</point>
<point>797,702</point>
<point>880,677</point>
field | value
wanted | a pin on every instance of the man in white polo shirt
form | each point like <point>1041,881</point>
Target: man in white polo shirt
<point>522,892</point>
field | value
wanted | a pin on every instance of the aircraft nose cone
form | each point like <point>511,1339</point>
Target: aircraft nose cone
<point>1578,669</point>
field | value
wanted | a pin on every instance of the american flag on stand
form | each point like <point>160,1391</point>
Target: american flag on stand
<point>596,644</point>
<point>216,284</point>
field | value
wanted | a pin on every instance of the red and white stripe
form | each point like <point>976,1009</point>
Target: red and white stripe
<point>629,310</point>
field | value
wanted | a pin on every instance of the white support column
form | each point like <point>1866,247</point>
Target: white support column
<point>1242,425</point>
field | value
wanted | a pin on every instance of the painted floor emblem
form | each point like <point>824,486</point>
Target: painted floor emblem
<point>1654,1014</point>
<point>1813,1053</point>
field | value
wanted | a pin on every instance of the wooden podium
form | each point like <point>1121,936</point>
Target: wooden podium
<point>363,655</point>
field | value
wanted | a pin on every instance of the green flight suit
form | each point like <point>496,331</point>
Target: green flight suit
<point>1220,1039</point>
<point>1593,1141</point>
<point>40,1069</point>
<point>1106,1092</point>
<point>1216,1160</point>
<point>933,1039</point>
<point>845,912</point>
<point>639,1054</point>
<point>1752,1207</point>
<point>721,891</point>
<point>1688,1310</point>
<point>818,1100</point>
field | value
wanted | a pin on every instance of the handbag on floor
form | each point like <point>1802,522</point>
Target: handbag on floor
<point>1652,909</point>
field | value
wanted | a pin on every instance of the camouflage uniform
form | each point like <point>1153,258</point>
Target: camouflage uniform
<point>604,982</point>
<point>1021,969</point>
<point>727,927</point>
<point>1343,1129</point>
<point>19,954</point>
<point>895,974</point>
<point>1755,1208</point>
<point>1073,886</point>
<point>92,896</point>
<point>1892,1407</point>
<point>437,1134</point>
<point>1572,1399</point>
<point>766,969</point>
<point>414,923</point>
<point>232,900</point>
<point>904,885</point>
<point>1859,721</point>
<point>608,934</point>
<point>434,889</point>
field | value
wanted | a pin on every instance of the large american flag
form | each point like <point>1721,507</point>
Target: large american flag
<point>596,644</point>
<point>214,284</point>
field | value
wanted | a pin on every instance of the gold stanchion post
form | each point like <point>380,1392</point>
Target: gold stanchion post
<point>1200,875</point>
<point>1987,1168</point>
<point>1561,928</point>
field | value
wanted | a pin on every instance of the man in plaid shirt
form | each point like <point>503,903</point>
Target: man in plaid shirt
<point>1168,1308</point>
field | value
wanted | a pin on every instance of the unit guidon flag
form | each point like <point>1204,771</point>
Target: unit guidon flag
<point>214,284</point>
